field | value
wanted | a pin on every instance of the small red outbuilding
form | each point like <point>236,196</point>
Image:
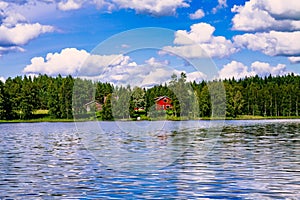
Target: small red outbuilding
<point>163,103</point>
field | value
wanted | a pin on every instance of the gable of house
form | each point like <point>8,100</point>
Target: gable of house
<point>163,103</point>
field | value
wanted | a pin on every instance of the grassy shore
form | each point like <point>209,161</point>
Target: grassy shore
<point>251,117</point>
<point>39,116</point>
<point>158,119</point>
<point>36,120</point>
<point>42,116</point>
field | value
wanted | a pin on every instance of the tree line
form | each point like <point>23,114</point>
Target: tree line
<point>65,98</point>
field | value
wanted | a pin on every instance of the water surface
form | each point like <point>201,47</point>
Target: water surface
<point>248,160</point>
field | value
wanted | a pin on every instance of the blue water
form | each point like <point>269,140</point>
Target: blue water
<point>246,160</point>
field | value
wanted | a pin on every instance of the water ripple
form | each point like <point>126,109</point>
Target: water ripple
<point>250,160</point>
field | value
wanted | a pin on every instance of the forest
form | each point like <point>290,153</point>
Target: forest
<point>60,97</point>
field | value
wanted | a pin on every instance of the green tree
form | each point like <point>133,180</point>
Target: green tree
<point>121,102</point>
<point>217,98</point>
<point>53,98</point>
<point>84,91</point>
<point>204,102</point>
<point>106,112</point>
<point>28,98</point>
<point>12,91</point>
<point>137,101</point>
<point>65,97</point>
<point>234,100</point>
<point>2,101</point>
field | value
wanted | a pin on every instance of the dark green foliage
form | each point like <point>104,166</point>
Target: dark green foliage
<point>121,102</point>
<point>53,99</point>
<point>12,92</point>
<point>28,98</point>
<point>106,113</point>
<point>83,92</point>
<point>204,102</point>
<point>65,96</point>
<point>42,83</point>
<point>2,101</point>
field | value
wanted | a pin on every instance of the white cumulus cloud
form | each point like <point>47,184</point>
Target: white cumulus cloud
<point>221,4</point>
<point>199,33</point>
<point>21,34</point>
<point>70,5</point>
<point>95,65</point>
<point>273,43</point>
<point>264,15</point>
<point>31,7</point>
<point>234,69</point>
<point>239,70</point>
<point>76,62</point>
<point>155,7</point>
<point>68,61</point>
<point>281,9</point>
<point>147,74</point>
<point>12,19</point>
<point>185,51</point>
<point>15,30</point>
<point>116,69</point>
<point>294,59</point>
<point>200,42</point>
<point>264,69</point>
<point>197,15</point>
<point>196,76</point>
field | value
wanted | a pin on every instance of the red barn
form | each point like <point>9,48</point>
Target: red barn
<point>163,103</point>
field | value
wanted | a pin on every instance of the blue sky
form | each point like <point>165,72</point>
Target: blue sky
<point>243,38</point>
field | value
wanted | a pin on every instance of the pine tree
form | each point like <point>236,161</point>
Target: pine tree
<point>106,112</point>
<point>2,101</point>
<point>28,98</point>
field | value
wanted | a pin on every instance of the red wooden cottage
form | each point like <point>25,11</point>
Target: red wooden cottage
<point>163,103</point>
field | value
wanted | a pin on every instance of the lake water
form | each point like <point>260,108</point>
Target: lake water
<point>151,160</point>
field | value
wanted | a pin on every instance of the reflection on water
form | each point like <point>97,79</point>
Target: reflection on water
<point>250,159</point>
<point>143,147</point>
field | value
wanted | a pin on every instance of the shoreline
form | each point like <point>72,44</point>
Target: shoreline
<point>86,120</point>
